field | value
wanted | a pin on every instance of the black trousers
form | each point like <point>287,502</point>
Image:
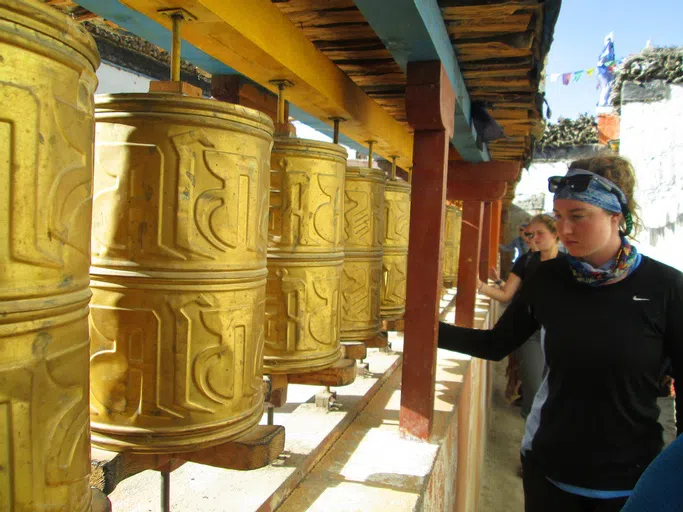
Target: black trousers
<point>541,495</point>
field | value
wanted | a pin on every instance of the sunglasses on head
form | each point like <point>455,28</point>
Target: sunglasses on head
<point>580,183</point>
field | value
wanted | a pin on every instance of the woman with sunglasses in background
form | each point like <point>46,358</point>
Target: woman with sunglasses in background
<point>526,363</point>
<point>519,244</point>
<point>609,318</point>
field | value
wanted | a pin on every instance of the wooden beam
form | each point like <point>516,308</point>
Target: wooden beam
<point>257,40</point>
<point>470,248</point>
<point>431,109</point>
<point>495,170</point>
<point>255,449</point>
<point>414,31</point>
<point>427,216</point>
<point>464,190</point>
<point>342,373</point>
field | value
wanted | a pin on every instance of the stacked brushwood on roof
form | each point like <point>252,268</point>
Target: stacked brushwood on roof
<point>650,64</point>
<point>570,132</point>
<point>124,39</point>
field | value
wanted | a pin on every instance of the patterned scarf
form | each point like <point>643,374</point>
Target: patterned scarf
<point>626,261</point>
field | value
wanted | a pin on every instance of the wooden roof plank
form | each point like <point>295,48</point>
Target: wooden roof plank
<point>343,32</point>
<point>294,6</point>
<point>414,30</point>
<point>470,28</point>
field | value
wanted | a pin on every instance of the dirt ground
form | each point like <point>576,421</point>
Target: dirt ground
<point>501,489</point>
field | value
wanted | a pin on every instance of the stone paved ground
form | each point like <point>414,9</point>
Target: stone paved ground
<point>501,486</point>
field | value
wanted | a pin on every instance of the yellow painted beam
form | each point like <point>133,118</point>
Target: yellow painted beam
<point>256,39</point>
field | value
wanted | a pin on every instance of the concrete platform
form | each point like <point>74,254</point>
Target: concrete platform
<point>352,458</point>
<point>310,432</point>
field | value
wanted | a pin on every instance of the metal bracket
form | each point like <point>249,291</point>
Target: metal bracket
<point>281,83</point>
<point>177,12</point>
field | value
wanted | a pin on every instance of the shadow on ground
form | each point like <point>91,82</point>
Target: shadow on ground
<point>501,489</point>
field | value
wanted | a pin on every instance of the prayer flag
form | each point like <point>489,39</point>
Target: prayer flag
<point>605,70</point>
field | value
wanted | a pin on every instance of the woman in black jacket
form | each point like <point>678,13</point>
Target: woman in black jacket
<point>526,364</point>
<point>609,319</point>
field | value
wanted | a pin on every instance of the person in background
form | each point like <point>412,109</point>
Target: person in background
<point>517,245</point>
<point>611,327</point>
<point>526,364</point>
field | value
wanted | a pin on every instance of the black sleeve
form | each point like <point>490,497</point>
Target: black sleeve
<point>673,342</point>
<point>510,332</point>
<point>519,265</point>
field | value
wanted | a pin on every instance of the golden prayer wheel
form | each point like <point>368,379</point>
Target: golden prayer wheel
<point>364,235</point>
<point>180,221</point>
<point>305,256</point>
<point>395,257</point>
<point>451,250</point>
<point>47,81</point>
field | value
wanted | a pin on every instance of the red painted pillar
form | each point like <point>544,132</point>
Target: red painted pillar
<point>470,248</point>
<point>496,219</point>
<point>485,255</point>
<point>430,105</point>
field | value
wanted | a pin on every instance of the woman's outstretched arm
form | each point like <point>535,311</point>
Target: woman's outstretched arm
<point>503,294</point>
<point>510,332</point>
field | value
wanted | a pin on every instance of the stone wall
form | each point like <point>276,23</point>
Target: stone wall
<point>652,138</point>
<point>114,79</point>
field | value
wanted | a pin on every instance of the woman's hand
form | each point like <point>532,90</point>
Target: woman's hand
<point>493,274</point>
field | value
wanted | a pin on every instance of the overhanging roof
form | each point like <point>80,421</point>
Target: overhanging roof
<point>348,58</point>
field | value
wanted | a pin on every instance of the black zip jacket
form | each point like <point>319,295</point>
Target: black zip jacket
<point>606,349</point>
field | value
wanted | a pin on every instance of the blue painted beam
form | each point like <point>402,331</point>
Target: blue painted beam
<point>414,31</point>
<point>140,25</point>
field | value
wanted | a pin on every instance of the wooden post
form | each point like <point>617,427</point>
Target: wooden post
<point>496,212</point>
<point>226,88</point>
<point>485,254</point>
<point>430,105</point>
<point>470,248</point>
<point>235,89</point>
<point>475,184</point>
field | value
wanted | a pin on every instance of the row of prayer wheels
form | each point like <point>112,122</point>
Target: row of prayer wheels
<point>203,252</point>
<point>451,244</point>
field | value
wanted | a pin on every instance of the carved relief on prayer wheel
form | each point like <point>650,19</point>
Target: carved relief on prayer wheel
<point>363,238</point>
<point>180,221</point>
<point>395,255</point>
<point>47,81</point>
<point>305,256</point>
<point>451,252</point>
